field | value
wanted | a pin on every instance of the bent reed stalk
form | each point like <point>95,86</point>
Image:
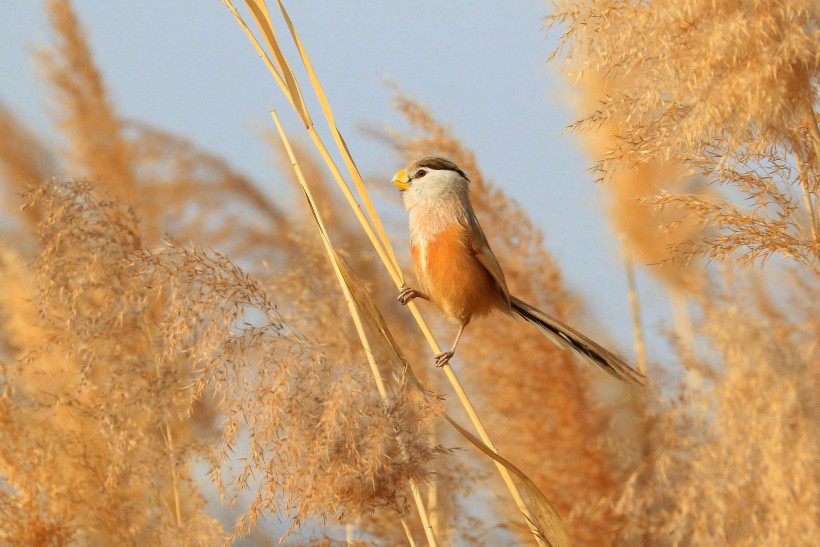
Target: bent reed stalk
<point>357,321</point>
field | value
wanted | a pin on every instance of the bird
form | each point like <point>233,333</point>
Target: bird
<point>458,271</point>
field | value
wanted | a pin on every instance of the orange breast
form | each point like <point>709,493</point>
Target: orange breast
<point>451,276</point>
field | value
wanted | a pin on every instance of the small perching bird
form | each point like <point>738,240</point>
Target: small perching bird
<point>458,271</point>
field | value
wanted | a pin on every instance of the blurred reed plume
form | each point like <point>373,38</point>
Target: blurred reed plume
<point>150,333</point>
<point>93,132</point>
<point>733,462</point>
<point>687,85</point>
<point>650,233</point>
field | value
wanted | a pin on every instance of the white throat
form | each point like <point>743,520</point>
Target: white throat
<point>435,202</point>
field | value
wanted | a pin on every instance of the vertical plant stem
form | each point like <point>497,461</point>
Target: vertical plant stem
<point>169,442</point>
<point>808,202</point>
<point>638,337</point>
<point>477,423</point>
<point>639,340</point>
<point>682,319</point>
<point>354,312</point>
<point>174,477</point>
<point>432,495</point>
<point>408,533</point>
<point>352,170</point>
<point>814,131</point>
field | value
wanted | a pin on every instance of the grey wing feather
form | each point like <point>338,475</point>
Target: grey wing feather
<point>480,249</point>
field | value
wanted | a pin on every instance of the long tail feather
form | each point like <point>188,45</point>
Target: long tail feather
<point>568,338</point>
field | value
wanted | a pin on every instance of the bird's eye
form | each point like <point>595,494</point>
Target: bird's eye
<point>420,173</point>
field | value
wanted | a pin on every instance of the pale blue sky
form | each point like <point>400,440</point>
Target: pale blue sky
<point>481,66</point>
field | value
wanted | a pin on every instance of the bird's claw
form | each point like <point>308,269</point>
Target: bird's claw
<point>443,358</point>
<point>406,294</point>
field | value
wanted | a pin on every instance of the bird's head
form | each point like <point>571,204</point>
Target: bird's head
<point>428,179</point>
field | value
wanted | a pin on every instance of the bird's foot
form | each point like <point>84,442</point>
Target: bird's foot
<point>443,358</point>
<point>406,294</point>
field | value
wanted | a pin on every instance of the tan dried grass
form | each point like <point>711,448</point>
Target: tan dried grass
<point>687,84</point>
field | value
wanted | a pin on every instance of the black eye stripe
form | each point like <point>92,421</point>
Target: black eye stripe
<point>433,163</point>
<point>426,166</point>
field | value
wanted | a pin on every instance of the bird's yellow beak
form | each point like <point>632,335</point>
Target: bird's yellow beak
<point>400,179</point>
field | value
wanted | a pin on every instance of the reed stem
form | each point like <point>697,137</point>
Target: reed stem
<point>354,313</point>
<point>380,242</point>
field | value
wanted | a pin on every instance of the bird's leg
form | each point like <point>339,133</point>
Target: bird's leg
<point>444,358</point>
<point>406,294</point>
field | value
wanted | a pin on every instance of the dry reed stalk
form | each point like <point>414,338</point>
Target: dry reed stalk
<point>286,80</point>
<point>354,313</point>
<point>451,474</point>
<point>640,352</point>
<point>682,319</point>
<point>635,312</point>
